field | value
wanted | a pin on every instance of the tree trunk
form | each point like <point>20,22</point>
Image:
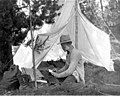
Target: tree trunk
<point>5,55</point>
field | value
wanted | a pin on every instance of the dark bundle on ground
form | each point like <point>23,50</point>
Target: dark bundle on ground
<point>10,81</point>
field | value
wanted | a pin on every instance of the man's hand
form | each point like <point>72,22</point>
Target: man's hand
<point>54,69</point>
<point>53,73</point>
<point>50,70</point>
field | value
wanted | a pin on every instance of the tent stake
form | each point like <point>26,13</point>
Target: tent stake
<point>32,40</point>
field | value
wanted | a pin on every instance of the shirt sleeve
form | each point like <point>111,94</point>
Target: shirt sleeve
<point>75,57</point>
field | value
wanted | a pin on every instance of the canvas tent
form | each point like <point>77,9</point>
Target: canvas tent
<point>93,43</point>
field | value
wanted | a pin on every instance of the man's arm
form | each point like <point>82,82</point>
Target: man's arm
<point>71,68</point>
<point>63,69</point>
<point>74,61</point>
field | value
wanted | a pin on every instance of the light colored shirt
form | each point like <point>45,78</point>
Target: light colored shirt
<point>76,66</point>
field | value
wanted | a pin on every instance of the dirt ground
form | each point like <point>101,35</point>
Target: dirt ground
<point>99,81</point>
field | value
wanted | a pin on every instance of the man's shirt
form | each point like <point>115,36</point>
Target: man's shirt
<point>76,66</point>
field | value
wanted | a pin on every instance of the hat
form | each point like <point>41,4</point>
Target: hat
<point>64,39</point>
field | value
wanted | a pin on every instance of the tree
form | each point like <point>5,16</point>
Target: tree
<point>13,20</point>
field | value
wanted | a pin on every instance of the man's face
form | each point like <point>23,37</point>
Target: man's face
<point>64,46</point>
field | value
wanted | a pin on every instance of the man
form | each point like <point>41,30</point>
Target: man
<point>74,66</point>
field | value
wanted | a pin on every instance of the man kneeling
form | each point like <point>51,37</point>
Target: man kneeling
<point>74,68</point>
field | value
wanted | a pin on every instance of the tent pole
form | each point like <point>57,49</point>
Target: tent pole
<point>76,25</point>
<point>32,40</point>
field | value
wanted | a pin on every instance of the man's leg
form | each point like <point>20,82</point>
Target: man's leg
<point>70,79</point>
<point>67,81</point>
<point>70,84</point>
<point>50,78</point>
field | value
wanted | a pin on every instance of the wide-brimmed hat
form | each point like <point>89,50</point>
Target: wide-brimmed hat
<point>65,39</point>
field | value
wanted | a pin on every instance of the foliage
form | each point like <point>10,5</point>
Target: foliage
<point>91,10</point>
<point>102,15</point>
<point>13,19</point>
<point>111,13</point>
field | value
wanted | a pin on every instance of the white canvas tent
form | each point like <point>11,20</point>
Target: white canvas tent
<point>93,43</point>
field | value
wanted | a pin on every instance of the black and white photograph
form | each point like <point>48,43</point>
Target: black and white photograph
<point>59,47</point>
